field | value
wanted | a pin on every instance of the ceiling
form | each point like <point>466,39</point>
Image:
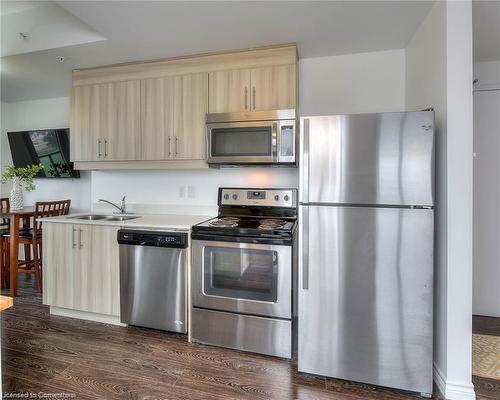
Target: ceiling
<point>28,27</point>
<point>107,32</point>
<point>142,30</point>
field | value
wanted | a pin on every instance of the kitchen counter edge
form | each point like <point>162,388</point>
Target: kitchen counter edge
<point>147,221</point>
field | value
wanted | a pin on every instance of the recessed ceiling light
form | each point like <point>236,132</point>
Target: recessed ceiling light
<point>60,59</point>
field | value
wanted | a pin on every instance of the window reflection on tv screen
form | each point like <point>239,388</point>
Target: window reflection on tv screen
<point>49,147</point>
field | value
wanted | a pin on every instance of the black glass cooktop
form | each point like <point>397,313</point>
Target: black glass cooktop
<point>247,226</point>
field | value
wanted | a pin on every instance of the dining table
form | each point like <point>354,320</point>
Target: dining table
<point>15,218</point>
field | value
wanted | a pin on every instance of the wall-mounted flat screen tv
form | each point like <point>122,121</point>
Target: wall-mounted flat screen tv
<point>49,147</point>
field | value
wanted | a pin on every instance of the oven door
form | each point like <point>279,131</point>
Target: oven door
<point>242,142</point>
<point>244,278</point>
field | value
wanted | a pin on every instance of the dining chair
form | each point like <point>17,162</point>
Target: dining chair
<point>34,237</point>
<point>4,228</point>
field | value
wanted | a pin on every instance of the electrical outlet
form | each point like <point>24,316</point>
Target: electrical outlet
<point>182,192</point>
<point>191,192</point>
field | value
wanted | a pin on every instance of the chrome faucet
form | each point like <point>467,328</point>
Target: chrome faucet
<point>122,207</point>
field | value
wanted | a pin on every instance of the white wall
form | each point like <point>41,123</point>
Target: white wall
<point>486,269</point>
<point>439,75</point>
<point>352,83</point>
<point>42,114</point>
<point>194,189</point>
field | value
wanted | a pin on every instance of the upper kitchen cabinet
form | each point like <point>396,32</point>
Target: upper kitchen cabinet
<point>229,91</point>
<point>157,118</point>
<point>256,89</point>
<point>190,108</point>
<point>120,120</point>
<point>274,88</point>
<point>152,114</point>
<point>105,121</point>
<point>84,123</point>
<point>173,117</point>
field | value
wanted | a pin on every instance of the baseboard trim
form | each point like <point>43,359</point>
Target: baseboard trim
<point>453,390</point>
<point>89,316</point>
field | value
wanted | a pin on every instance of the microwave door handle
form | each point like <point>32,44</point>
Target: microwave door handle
<point>274,141</point>
<point>208,147</point>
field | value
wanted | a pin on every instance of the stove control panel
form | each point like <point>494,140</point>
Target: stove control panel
<point>258,197</point>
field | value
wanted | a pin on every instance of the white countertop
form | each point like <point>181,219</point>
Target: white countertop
<point>146,221</point>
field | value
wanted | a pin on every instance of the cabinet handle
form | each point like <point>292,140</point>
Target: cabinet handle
<point>176,142</point>
<point>74,238</point>
<point>105,149</point>
<point>253,97</point>
<point>80,238</point>
<point>169,147</point>
<point>246,98</point>
<point>99,154</point>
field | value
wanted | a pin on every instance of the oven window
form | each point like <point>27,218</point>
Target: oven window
<point>241,273</point>
<point>235,142</point>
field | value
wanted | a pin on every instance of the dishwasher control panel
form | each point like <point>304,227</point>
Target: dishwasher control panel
<point>152,238</point>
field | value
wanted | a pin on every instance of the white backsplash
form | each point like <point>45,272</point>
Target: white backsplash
<point>174,209</point>
<point>191,192</point>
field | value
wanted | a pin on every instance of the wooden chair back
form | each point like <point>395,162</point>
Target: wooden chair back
<point>45,209</point>
<point>4,205</point>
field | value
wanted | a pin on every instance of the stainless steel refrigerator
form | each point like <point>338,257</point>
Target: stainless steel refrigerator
<point>366,252</point>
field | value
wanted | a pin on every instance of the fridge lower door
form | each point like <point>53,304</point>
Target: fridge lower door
<point>366,295</point>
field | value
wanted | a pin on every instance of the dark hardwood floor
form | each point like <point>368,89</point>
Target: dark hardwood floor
<point>486,325</point>
<point>50,354</point>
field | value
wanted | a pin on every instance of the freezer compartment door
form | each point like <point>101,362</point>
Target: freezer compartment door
<point>368,159</point>
<point>366,295</point>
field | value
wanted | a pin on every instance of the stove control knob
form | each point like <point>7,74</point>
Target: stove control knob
<point>277,198</point>
<point>226,197</point>
<point>286,198</point>
<point>235,196</point>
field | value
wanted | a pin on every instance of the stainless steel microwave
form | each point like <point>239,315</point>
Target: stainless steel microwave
<point>257,137</point>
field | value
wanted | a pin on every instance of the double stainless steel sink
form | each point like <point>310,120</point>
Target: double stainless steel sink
<point>98,217</point>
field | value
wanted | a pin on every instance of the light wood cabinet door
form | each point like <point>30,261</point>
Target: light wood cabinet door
<point>106,122</point>
<point>58,265</point>
<point>229,91</point>
<point>273,88</point>
<point>104,282</point>
<point>190,107</point>
<point>120,120</point>
<point>96,270</point>
<point>157,102</point>
<point>81,267</point>
<point>82,257</point>
<point>84,123</point>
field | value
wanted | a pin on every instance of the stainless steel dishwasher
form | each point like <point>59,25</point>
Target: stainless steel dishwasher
<point>153,274</point>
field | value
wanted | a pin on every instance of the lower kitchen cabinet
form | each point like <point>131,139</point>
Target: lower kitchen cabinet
<point>81,268</point>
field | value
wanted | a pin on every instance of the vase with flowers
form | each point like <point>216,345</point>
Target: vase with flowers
<point>22,179</point>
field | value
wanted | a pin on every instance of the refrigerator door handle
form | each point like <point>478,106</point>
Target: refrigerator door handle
<point>305,248</point>
<point>304,164</point>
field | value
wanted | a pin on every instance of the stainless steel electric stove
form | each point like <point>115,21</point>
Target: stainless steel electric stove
<point>243,272</point>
